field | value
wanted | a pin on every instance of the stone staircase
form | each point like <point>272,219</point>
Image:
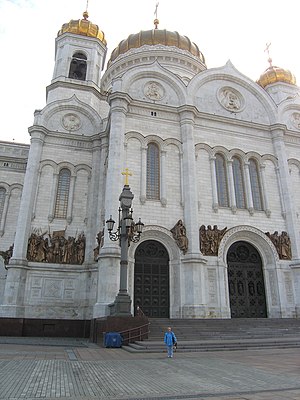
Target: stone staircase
<point>221,334</point>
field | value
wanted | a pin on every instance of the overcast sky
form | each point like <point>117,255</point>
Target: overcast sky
<point>223,30</point>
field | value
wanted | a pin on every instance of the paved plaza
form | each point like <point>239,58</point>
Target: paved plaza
<point>69,369</point>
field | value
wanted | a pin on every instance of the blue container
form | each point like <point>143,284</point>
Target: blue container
<point>112,339</point>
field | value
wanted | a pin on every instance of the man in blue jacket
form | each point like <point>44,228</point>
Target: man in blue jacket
<point>170,340</point>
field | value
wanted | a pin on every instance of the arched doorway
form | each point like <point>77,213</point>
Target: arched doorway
<point>246,282</point>
<point>151,279</point>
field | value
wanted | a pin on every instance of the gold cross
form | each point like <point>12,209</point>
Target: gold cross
<point>127,174</point>
<point>156,7</point>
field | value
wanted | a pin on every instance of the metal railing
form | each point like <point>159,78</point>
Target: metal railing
<point>137,333</point>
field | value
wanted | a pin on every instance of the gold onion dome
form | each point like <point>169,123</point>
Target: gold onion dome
<point>275,74</point>
<point>155,37</point>
<point>83,27</point>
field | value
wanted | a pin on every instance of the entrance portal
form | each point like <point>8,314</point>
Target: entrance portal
<point>151,279</point>
<point>246,282</point>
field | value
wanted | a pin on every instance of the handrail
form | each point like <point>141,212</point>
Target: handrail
<point>136,333</point>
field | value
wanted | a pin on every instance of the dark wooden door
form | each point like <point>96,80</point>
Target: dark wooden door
<point>151,279</point>
<point>246,282</point>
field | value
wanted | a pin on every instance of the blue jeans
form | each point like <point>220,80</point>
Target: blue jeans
<point>170,351</point>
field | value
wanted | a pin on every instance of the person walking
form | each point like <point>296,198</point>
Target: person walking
<point>170,340</point>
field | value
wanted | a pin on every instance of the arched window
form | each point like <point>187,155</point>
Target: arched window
<point>221,176</point>
<point>255,185</point>
<point>153,172</point>
<point>2,200</point>
<point>78,67</point>
<point>238,181</point>
<point>62,194</point>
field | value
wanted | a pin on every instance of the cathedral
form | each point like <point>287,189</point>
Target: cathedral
<point>210,157</point>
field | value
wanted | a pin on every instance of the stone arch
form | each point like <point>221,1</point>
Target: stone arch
<point>163,236</point>
<point>269,257</point>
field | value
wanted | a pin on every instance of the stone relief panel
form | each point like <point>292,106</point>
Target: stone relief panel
<point>44,289</point>
<point>282,244</point>
<point>273,288</point>
<point>71,122</point>
<point>231,99</point>
<point>295,120</point>
<point>288,288</point>
<point>52,288</point>
<point>154,91</point>
<point>212,286</point>
<point>217,98</point>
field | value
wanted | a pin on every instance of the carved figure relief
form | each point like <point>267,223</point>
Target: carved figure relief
<point>230,99</point>
<point>154,91</point>
<point>210,239</point>
<point>7,254</point>
<point>296,120</point>
<point>282,244</point>
<point>55,248</point>
<point>179,235</point>
<point>71,122</point>
<point>100,240</point>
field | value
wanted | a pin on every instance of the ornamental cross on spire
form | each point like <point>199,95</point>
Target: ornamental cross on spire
<point>156,7</point>
<point>156,21</point>
<point>127,174</point>
<point>268,51</point>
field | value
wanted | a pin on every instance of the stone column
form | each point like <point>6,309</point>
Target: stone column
<point>248,190</point>
<point>17,269</point>
<point>232,198</point>
<point>143,175</point>
<point>71,198</point>
<point>290,213</point>
<point>4,213</point>
<point>109,257</point>
<point>213,173</point>
<point>285,183</point>
<point>94,225</point>
<point>264,191</point>
<point>163,194</point>
<point>193,304</point>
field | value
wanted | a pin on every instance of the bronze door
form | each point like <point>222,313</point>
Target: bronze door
<point>151,279</point>
<point>246,282</point>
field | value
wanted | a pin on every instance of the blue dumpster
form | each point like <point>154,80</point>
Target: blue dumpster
<point>112,339</point>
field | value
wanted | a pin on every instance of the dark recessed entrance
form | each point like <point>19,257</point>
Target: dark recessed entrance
<point>246,282</point>
<point>151,279</point>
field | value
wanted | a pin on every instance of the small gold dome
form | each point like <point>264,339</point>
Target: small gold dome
<point>154,37</point>
<point>275,74</point>
<point>83,27</point>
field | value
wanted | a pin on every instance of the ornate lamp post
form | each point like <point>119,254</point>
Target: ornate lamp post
<point>127,232</point>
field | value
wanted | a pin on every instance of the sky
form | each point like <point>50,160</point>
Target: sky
<point>223,30</point>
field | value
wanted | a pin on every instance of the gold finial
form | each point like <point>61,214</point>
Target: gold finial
<point>127,174</point>
<point>268,51</point>
<point>156,20</point>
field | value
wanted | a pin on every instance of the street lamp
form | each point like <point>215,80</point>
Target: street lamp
<point>127,231</point>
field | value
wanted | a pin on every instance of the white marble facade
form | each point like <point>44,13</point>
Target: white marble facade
<point>97,127</point>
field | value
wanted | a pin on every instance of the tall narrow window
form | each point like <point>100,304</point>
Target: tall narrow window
<point>238,181</point>
<point>153,172</point>
<point>62,195</point>
<point>78,67</point>
<point>221,176</point>
<point>255,185</point>
<point>2,200</point>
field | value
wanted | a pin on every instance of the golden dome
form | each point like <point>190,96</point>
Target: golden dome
<point>275,74</point>
<point>156,36</point>
<point>83,27</point>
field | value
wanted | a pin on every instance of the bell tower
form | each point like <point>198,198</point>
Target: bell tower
<point>80,51</point>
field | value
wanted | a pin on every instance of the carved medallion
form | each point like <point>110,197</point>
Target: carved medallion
<point>71,122</point>
<point>231,99</point>
<point>154,91</point>
<point>296,120</point>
